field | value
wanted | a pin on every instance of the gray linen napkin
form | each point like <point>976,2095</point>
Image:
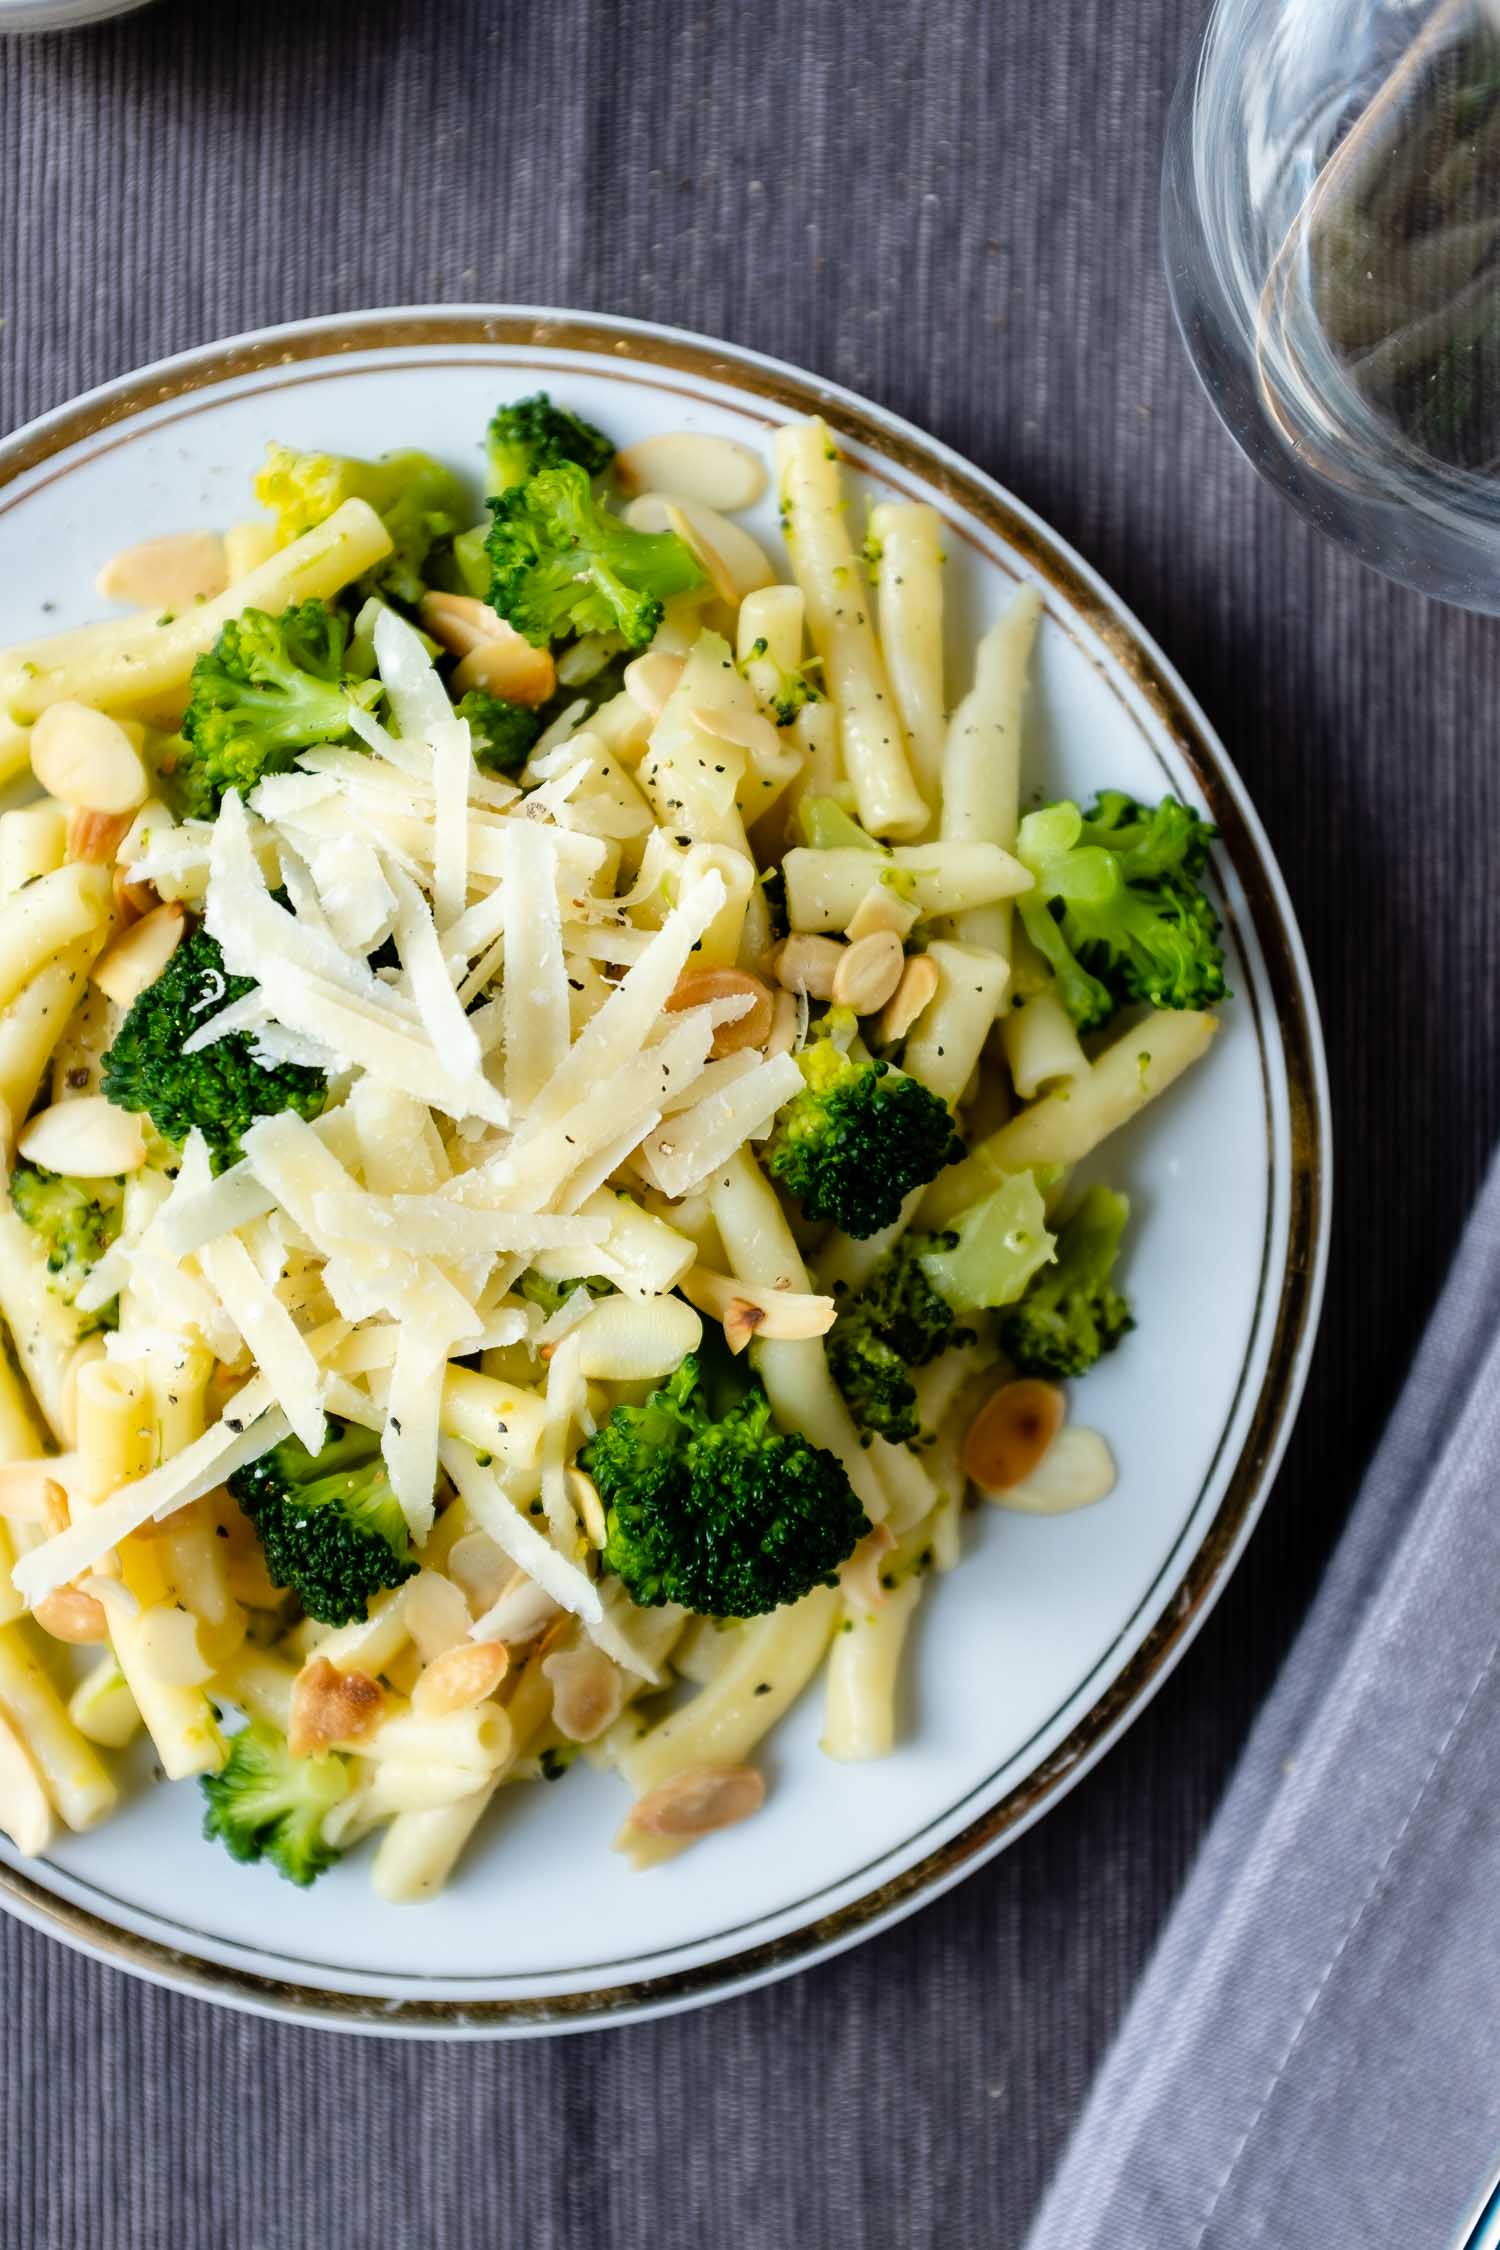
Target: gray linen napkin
<point>1313,2057</point>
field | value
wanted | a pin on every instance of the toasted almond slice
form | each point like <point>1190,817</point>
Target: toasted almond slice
<point>96,836</point>
<point>1076,1470</point>
<point>88,1138</point>
<point>698,1800</point>
<point>808,964</point>
<point>868,972</point>
<point>460,621</point>
<point>747,1310</point>
<point>650,679</point>
<point>745,730</point>
<point>29,1495</point>
<point>693,466</point>
<point>461,1677</point>
<point>522,1611</point>
<point>881,908</point>
<point>84,757</point>
<point>695,988</point>
<point>508,666</point>
<point>733,563</point>
<point>25,1814</point>
<point>1010,1435</point>
<point>132,900</point>
<point>436,1614</point>
<point>481,1569</point>
<point>167,574</point>
<point>137,958</point>
<point>860,1576</point>
<point>783,1025</point>
<point>916,991</point>
<point>71,1616</point>
<point>588,1692</point>
<point>329,1705</point>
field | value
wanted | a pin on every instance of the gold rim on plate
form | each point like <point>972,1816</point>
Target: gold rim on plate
<point>889,443</point>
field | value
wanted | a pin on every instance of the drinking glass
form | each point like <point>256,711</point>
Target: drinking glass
<point>1331,222</point>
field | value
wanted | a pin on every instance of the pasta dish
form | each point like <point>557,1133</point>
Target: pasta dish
<point>543,1062</point>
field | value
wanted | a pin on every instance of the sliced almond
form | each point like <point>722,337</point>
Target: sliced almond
<point>137,959</point>
<point>510,668</point>
<point>522,1611</point>
<point>88,1138</point>
<point>481,1569</point>
<point>588,1692</point>
<point>699,1800</point>
<point>807,964</point>
<point>650,680</point>
<point>869,972</point>
<point>167,574</point>
<point>1010,1435</point>
<point>783,1025</point>
<point>330,1706</point>
<point>25,1813</point>
<point>460,621</point>
<point>132,900</point>
<point>881,908</point>
<point>733,563</point>
<point>96,836</point>
<point>461,1677</point>
<point>747,1310</point>
<point>436,1614</point>
<point>28,1494</point>
<point>1076,1470</point>
<point>743,730</point>
<point>693,466</point>
<point>916,991</point>
<point>83,757</point>
<point>70,1616</point>
<point>695,988</point>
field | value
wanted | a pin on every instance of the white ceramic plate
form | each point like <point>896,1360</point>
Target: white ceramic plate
<point>1035,1654</point>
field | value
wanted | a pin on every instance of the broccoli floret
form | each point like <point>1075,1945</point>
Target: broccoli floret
<point>563,564</point>
<point>532,434</point>
<point>222,1088</point>
<point>269,688</point>
<point>786,688</point>
<point>265,1804</point>
<point>77,1221</point>
<point>1071,1313</point>
<point>859,1137</point>
<point>502,733</point>
<point>550,1296</point>
<point>708,1504</point>
<point>1117,909</point>
<point>421,504</point>
<point>896,1322</point>
<point>331,1526</point>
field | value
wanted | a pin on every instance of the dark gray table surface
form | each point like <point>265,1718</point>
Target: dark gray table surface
<point>953,209</point>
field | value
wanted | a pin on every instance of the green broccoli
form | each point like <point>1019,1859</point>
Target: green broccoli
<point>265,1804</point>
<point>421,504</point>
<point>268,689</point>
<point>502,734</point>
<point>77,1221</point>
<point>1117,910</point>
<point>550,1296</point>
<point>896,1322</point>
<point>222,1088</point>
<point>331,1527</point>
<point>1071,1314</point>
<point>708,1504</point>
<point>562,564</point>
<point>787,689</point>
<point>859,1137</point>
<point>532,434</point>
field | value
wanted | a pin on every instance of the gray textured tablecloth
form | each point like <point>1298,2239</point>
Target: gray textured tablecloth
<point>953,208</point>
